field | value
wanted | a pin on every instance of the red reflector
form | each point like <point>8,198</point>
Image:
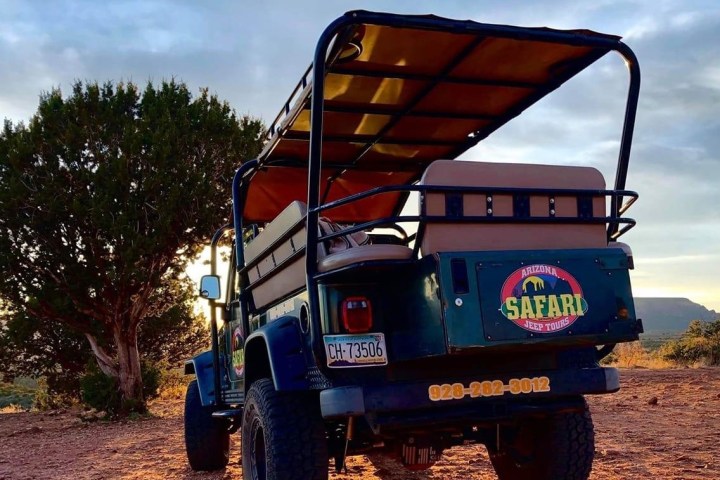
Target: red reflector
<point>356,314</point>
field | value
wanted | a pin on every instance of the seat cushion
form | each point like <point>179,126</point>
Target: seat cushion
<point>485,236</point>
<point>364,253</point>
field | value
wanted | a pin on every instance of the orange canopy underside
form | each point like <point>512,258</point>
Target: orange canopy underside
<point>412,96</point>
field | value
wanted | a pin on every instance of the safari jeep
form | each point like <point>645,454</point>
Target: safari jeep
<point>344,334</point>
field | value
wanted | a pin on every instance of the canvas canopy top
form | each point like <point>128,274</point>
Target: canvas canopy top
<point>400,92</point>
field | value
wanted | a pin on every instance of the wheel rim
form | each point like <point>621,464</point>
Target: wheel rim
<point>259,465</point>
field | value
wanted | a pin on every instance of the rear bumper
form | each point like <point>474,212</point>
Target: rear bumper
<point>407,399</point>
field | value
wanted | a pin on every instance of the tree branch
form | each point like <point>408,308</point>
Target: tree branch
<point>106,363</point>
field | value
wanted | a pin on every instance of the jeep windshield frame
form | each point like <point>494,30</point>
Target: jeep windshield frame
<point>368,187</point>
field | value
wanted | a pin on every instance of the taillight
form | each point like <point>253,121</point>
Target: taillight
<point>356,314</point>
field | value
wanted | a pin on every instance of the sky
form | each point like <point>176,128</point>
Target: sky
<point>253,53</point>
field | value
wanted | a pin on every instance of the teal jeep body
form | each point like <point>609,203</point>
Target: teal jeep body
<point>343,334</point>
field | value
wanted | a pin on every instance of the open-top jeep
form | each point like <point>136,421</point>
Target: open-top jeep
<point>342,334</point>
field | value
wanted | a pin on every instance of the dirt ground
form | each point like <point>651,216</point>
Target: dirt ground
<point>663,424</point>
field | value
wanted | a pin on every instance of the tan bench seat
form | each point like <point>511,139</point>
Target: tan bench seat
<point>292,277</point>
<point>293,272</point>
<point>483,236</point>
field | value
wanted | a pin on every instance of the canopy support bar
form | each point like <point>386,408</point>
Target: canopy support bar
<point>429,78</point>
<point>360,138</point>
<point>381,110</point>
<point>423,93</point>
<point>454,62</point>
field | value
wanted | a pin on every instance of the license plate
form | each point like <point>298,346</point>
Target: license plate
<point>359,350</point>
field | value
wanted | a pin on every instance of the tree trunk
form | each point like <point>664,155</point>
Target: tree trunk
<point>129,376</point>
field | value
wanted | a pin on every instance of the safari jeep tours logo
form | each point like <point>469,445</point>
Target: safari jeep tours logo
<point>542,299</point>
<point>238,354</point>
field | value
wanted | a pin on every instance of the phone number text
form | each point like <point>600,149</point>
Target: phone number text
<point>488,388</point>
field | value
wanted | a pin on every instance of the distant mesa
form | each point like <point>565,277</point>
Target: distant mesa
<point>666,315</point>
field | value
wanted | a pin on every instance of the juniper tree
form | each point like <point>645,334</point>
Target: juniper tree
<point>104,196</point>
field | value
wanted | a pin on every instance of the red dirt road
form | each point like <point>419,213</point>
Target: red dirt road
<point>677,438</point>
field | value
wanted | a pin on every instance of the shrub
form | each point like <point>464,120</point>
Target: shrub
<point>634,355</point>
<point>700,344</point>
<point>99,391</point>
<point>48,399</point>
<point>102,392</point>
<point>15,397</point>
<point>173,383</point>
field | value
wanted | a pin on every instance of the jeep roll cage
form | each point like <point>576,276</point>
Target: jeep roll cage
<point>361,117</point>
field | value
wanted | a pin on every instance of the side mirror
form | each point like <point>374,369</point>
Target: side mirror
<point>210,287</point>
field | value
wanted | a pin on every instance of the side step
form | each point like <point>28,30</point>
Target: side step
<point>232,414</point>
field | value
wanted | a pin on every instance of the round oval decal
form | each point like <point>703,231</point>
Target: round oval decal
<point>542,298</point>
<point>238,354</point>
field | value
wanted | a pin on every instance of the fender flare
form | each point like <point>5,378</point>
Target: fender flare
<point>202,366</point>
<point>276,350</point>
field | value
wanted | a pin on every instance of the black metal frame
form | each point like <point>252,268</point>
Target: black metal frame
<point>318,72</point>
<point>214,340</point>
<point>490,192</point>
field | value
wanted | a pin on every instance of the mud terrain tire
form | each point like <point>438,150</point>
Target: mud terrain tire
<point>558,447</point>
<point>207,441</point>
<point>283,436</point>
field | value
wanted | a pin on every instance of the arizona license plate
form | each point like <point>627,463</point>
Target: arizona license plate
<point>356,350</point>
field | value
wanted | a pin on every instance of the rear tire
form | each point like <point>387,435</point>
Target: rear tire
<point>207,441</point>
<point>283,436</point>
<point>559,447</point>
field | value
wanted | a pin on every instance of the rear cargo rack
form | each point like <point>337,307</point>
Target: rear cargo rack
<point>585,213</point>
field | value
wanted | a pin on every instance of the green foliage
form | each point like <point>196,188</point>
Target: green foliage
<point>34,348</point>
<point>12,394</point>
<point>47,398</point>
<point>653,341</point>
<point>699,344</point>
<point>102,392</point>
<point>152,375</point>
<point>634,355</point>
<point>174,332</point>
<point>173,384</point>
<point>105,196</point>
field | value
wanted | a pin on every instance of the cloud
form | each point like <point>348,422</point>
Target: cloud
<point>682,259</point>
<point>53,46</point>
<point>254,56</point>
